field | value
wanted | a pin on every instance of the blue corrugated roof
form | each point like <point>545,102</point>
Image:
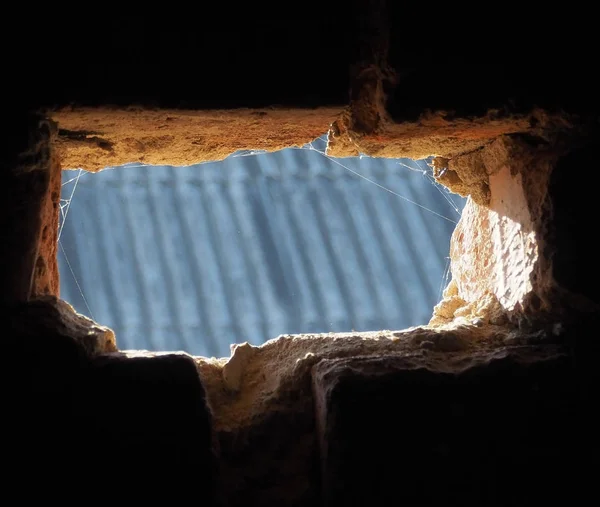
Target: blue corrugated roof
<point>196,258</point>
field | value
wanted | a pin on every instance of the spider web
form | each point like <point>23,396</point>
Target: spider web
<point>318,146</point>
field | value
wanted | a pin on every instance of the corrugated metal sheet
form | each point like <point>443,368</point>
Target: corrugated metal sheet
<point>196,258</point>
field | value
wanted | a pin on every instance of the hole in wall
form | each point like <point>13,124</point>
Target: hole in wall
<point>257,245</point>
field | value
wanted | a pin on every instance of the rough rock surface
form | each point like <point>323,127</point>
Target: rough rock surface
<point>504,247</point>
<point>95,138</point>
<point>265,424</point>
<point>440,134</point>
<point>30,178</point>
<point>46,278</point>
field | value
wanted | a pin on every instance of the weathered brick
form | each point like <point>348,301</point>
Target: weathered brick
<point>150,427</point>
<point>80,429</point>
<point>29,176</point>
<point>493,429</point>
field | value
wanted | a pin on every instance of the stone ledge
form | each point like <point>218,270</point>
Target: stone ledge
<point>162,418</point>
<point>444,135</point>
<point>96,138</point>
<point>265,423</point>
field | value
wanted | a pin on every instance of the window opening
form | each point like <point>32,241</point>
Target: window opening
<point>257,245</point>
